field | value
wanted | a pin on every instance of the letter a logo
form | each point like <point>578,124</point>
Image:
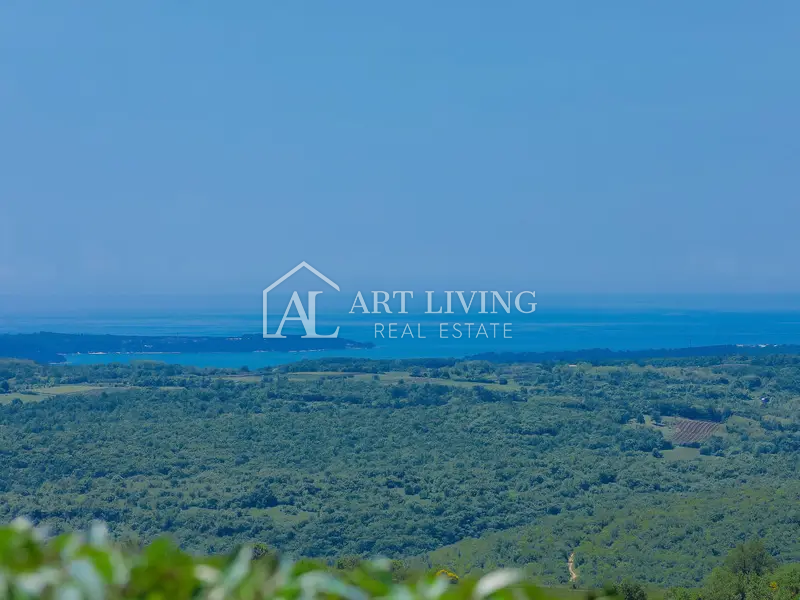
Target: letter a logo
<point>306,317</point>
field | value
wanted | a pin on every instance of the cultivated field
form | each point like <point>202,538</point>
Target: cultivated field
<point>686,431</point>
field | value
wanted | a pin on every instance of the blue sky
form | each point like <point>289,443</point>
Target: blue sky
<point>208,147</point>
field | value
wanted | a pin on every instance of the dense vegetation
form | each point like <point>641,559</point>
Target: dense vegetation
<point>650,470</point>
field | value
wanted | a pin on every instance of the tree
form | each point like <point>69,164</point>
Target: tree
<point>348,563</point>
<point>722,585</point>
<point>261,497</point>
<point>787,582</point>
<point>680,594</point>
<point>263,551</point>
<point>630,590</point>
<point>750,558</point>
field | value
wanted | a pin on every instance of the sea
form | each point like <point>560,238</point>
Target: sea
<point>626,326</point>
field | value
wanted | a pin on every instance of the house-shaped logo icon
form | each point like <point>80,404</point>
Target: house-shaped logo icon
<point>306,317</point>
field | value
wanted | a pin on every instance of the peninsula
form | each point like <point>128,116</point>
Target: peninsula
<point>46,347</point>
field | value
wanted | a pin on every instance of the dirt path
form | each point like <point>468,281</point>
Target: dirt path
<point>573,574</point>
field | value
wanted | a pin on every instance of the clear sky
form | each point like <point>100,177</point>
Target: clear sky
<point>190,147</point>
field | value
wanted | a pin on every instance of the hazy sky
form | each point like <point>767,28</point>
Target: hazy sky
<point>566,146</point>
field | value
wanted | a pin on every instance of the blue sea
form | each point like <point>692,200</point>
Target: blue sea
<point>564,328</point>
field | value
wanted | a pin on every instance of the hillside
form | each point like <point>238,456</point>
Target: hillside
<point>652,470</point>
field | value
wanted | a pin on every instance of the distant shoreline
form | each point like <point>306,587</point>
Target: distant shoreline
<point>48,347</point>
<point>57,348</point>
<point>650,353</point>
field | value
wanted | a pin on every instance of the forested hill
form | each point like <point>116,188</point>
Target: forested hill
<point>47,347</point>
<point>603,354</point>
<point>652,471</point>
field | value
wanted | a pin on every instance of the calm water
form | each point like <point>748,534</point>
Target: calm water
<point>574,329</point>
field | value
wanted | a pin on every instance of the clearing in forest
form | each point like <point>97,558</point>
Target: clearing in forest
<point>686,431</point>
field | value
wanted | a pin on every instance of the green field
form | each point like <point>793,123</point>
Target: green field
<point>38,394</point>
<point>395,377</point>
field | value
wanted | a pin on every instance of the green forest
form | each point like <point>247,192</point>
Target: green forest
<point>578,474</point>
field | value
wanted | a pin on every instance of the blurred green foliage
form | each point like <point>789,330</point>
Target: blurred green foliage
<point>75,566</point>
